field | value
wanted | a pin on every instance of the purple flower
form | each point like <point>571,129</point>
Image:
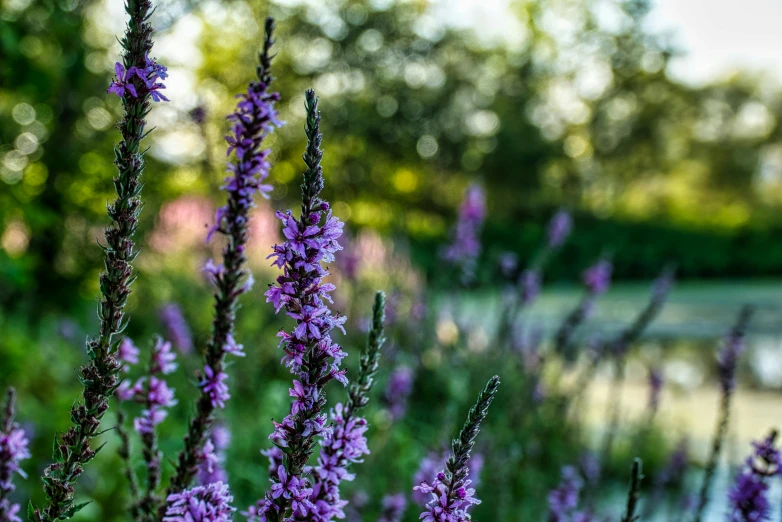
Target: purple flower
<point>447,505</point>
<point>563,500</point>
<point>748,497</point>
<point>127,353</point>
<point>163,358</point>
<point>148,76</point>
<point>210,503</point>
<point>9,511</point>
<point>559,228</point>
<point>435,461</point>
<point>529,285</point>
<point>393,508</point>
<point>211,468</point>
<point>151,390</point>
<point>122,81</point>
<point>400,384</point>
<point>214,384</point>
<point>13,450</point>
<point>176,327</point>
<point>465,246</point>
<point>311,242</point>
<point>597,277</point>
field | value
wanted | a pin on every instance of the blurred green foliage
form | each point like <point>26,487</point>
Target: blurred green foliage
<point>577,110</point>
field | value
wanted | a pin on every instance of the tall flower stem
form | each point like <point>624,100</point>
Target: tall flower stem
<point>451,495</point>
<point>633,492</point>
<point>310,353</point>
<point>73,450</point>
<point>733,346</point>
<point>358,394</point>
<point>617,350</point>
<point>254,119</point>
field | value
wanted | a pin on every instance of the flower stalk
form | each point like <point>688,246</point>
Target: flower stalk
<point>254,119</point>
<point>451,496</point>
<point>733,346</point>
<point>136,83</point>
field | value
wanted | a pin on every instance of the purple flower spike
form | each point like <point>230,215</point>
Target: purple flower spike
<point>151,390</point>
<point>559,229</point>
<point>749,495</point>
<point>176,327</point>
<point>252,121</point>
<point>211,503</point>
<point>563,500</point>
<point>400,384</point>
<point>466,244</point>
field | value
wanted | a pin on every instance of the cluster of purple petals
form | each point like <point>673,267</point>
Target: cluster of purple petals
<point>466,244</point>
<point>393,508</point>
<point>151,390</point>
<point>344,444</point>
<point>210,503</point>
<point>656,382</point>
<point>176,327</point>
<point>559,229</point>
<point>597,278</point>
<point>732,348</point>
<point>255,117</point>
<point>290,487</point>
<point>433,462</point>
<point>13,450</point>
<point>398,390</point>
<point>211,468</point>
<point>128,354</point>
<point>148,76</point>
<point>447,504</point>
<point>749,496</point>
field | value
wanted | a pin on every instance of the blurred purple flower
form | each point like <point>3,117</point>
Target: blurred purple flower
<point>398,389</point>
<point>748,497</point>
<point>559,228</point>
<point>563,500</point>
<point>597,278</point>
<point>508,263</point>
<point>393,508</point>
<point>13,450</point>
<point>465,246</point>
<point>176,327</point>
